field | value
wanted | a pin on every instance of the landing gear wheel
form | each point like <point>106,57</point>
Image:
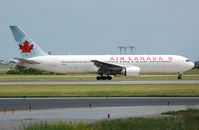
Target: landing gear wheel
<point>109,77</point>
<point>180,76</point>
<point>104,78</point>
<point>98,78</point>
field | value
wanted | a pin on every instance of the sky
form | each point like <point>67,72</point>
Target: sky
<point>79,27</point>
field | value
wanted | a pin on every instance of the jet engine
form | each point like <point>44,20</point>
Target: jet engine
<point>131,71</point>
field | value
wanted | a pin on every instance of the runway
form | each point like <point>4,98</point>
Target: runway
<point>88,102</point>
<point>102,82</point>
<point>15,112</point>
<point>17,119</point>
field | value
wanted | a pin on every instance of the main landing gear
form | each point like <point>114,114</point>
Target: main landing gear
<point>104,77</point>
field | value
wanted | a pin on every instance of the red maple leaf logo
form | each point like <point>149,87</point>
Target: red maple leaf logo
<point>26,47</point>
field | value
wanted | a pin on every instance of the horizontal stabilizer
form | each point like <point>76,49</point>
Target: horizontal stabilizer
<point>21,60</point>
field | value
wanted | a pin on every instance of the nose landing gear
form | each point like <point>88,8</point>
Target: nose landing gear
<point>180,76</point>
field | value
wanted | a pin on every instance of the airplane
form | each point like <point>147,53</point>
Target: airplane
<point>106,66</point>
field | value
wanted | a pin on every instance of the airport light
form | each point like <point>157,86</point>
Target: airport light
<point>125,49</point>
<point>131,48</point>
<point>120,48</point>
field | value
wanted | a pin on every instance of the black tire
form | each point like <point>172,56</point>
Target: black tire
<point>98,78</point>
<point>104,78</point>
<point>180,77</point>
<point>109,78</point>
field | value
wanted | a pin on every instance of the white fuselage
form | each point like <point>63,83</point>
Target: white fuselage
<point>83,63</point>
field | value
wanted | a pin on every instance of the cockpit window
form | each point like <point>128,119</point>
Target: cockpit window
<point>187,60</point>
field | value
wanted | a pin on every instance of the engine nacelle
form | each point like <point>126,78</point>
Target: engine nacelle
<point>131,71</point>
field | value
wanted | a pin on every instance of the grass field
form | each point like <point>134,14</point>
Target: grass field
<point>4,69</point>
<point>192,72</point>
<point>190,117</point>
<point>97,90</point>
<point>54,90</point>
<point>183,120</point>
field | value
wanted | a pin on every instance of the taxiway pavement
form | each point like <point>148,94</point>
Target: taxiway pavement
<point>18,119</point>
<point>87,102</point>
<point>15,112</point>
<point>102,82</point>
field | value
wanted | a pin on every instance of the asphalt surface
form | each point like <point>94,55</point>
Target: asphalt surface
<point>103,82</point>
<point>15,112</point>
<point>54,103</point>
<point>17,119</point>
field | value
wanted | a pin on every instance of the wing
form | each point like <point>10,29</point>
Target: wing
<point>108,68</point>
<point>26,61</point>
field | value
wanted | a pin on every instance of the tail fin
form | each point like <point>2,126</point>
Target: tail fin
<point>27,47</point>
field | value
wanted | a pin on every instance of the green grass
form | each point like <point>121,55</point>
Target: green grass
<point>182,120</point>
<point>47,77</point>
<point>190,116</point>
<point>81,90</point>
<point>192,72</point>
<point>48,90</point>
<point>171,123</point>
<point>4,69</point>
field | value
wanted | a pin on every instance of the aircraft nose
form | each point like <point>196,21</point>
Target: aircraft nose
<point>191,65</point>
